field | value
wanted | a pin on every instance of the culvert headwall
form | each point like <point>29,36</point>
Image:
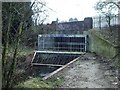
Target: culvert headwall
<point>55,51</point>
<point>46,62</point>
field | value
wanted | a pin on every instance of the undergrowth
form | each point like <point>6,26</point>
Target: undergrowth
<point>22,79</point>
<point>39,83</point>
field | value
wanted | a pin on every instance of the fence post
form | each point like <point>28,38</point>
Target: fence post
<point>99,22</point>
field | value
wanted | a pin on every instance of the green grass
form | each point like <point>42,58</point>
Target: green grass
<point>22,50</point>
<point>39,83</point>
<point>35,83</point>
<point>56,81</point>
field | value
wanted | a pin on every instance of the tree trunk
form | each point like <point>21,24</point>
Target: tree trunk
<point>5,47</point>
<point>12,67</point>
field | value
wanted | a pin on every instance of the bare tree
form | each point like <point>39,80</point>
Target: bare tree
<point>109,9</point>
<point>39,9</point>
<point>112,6</point>
<point>73,19</point>
<point>16,13</point>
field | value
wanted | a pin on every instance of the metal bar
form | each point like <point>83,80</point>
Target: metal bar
<point>69,43</point>
<point>85,44</point>
<point>55,65</point>
<point>59,52</point>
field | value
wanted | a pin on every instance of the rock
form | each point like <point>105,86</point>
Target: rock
<point>115,83</point>
<point>107,73</point>
<point>91,58</point>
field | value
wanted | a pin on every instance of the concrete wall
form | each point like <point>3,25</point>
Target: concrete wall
<point>101,46</point>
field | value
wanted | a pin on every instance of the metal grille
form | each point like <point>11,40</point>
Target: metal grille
<point>54,59</point>
<point>73,43</point>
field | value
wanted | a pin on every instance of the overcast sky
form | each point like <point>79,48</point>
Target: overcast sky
<point>65,9</point>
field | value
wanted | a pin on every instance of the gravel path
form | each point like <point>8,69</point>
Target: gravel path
<point>89,71</point>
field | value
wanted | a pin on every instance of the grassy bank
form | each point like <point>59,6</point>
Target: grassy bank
<point>24,77</point>
<point>37,82</point>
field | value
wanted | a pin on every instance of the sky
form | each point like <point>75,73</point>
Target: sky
<point>66,9</point>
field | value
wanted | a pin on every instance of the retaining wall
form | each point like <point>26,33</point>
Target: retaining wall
<point>102,46</point>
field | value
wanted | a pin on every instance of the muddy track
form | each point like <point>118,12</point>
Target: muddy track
<point>89,71</point>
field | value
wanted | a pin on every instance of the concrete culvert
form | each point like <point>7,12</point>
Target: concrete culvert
<point>45,63</point>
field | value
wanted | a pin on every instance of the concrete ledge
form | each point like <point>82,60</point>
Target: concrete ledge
<point>39,64</point>
<point>60,52</point>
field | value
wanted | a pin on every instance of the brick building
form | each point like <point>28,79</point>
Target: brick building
<point>75,27</point>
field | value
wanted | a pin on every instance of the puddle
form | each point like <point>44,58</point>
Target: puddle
<point>42,71</point>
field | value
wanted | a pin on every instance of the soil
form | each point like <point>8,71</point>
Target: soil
<point>89,71</point>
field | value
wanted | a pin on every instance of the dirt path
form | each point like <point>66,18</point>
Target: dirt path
<point>90,71</point>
